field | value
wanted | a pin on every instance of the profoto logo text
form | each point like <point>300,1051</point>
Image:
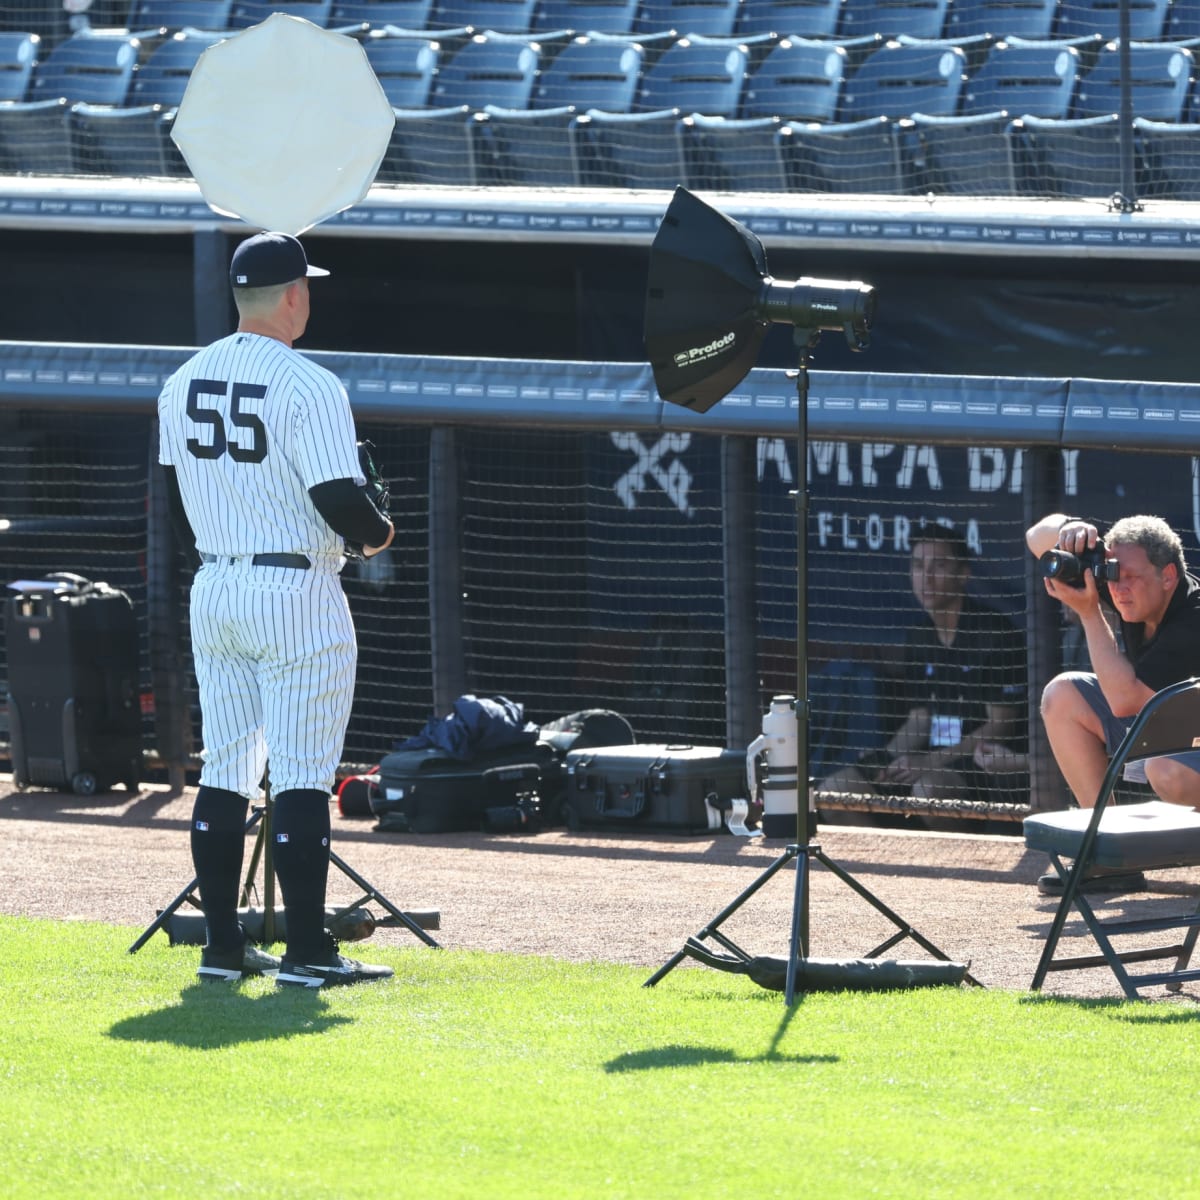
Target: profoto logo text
<point>699,353</point>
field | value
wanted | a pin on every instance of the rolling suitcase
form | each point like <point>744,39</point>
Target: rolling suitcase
<point>685,788</point>
<point>73,699</point>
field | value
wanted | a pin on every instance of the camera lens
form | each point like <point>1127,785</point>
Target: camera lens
<point>1062,566</point>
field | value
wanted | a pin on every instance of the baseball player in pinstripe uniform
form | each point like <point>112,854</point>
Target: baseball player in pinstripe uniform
<point>258,444</point>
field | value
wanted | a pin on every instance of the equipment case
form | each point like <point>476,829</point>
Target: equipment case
<point>686,788</point>
<point>427,791</point>
<point>73,699</point>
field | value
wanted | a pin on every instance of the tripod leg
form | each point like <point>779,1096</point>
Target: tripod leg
<point>798,946</point>
<point>375,894</point>
<point>712,928</point>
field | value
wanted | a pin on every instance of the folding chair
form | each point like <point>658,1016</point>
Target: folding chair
<point>1142,836</point>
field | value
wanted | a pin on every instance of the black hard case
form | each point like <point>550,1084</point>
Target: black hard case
<point>665,787</point>
<point>427,791</point>
<point>73,697</point>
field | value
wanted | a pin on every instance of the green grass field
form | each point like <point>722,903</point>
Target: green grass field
<point>476,1075</point>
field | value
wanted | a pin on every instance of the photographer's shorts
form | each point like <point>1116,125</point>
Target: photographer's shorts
<point>1115,728</point>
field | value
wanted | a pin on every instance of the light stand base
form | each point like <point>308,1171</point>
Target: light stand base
<point>416,923</point>
<point>799,968</point>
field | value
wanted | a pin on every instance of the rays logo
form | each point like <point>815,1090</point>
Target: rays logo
<point>672,477</point>
<point>699,353</point>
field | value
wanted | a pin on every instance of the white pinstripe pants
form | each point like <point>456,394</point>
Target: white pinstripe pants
<point>275,656</point>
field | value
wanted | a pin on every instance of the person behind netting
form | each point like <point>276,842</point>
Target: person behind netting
<point>961,692</point>
<point>1156,643</point>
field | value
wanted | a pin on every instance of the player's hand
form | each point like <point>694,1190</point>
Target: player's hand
<point>1082,600</point>
<point>371,551</point>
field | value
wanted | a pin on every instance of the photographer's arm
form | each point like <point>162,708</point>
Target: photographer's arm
<point>1057,530</point>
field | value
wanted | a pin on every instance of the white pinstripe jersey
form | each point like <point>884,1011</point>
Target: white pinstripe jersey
<point>249,425</point>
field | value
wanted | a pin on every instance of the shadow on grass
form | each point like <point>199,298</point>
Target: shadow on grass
<point>210,1016</point>
<point>659,1057</point>
<point>1146,1010</point>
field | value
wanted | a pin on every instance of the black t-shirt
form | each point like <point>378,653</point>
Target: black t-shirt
<point>1173,653</point>
<point>984,665</point>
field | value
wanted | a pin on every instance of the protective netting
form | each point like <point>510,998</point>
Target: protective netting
<point>894,97</point>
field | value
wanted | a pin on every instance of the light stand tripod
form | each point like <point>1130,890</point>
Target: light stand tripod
<point>805,849</point>
<point>260,815</point>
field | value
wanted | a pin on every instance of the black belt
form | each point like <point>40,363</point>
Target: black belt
<point>298,562</point>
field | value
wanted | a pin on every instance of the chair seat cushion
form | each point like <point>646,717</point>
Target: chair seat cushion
<point>1136,837</point>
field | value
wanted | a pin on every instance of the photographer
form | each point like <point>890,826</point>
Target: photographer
<point>962,692</point>
<point>1139,573</point>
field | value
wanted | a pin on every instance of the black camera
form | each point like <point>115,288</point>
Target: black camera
<point>1065,567</point>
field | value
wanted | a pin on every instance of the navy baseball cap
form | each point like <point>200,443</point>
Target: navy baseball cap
<point>267,259</point>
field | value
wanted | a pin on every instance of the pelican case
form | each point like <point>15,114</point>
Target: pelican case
<point>428,791</point>
<point>685,788</point>
<point>74,708</point>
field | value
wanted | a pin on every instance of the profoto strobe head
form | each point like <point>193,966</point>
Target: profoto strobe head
<point>710,302</point>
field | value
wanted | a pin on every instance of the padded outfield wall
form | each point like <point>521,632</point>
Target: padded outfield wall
<point>567,539</point>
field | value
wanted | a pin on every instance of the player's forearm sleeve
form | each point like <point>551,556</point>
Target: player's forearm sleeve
<point>349,512</point>
<point>179,521</point>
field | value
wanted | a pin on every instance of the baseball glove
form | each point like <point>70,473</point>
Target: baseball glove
<point>376,488</point>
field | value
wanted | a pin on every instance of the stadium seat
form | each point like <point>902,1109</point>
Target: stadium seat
<point>119,141</point>
<point>1140,836</point>
<point>742,155</point>
<point>1147,19</point>
<point>488,72</point>
<point>696,78</point>
<point>587,16</point>
<point>500,16</point>
<point>173,15</point>
<point>533,147</point>
<point>242,16</point>
<point>799,80</point>
<point>630,150</point>
<point>377,14</point>
<point>1170,155</point>
<point>917,18</point>
<point>163,77</point>
<point>1035,78</point>
<point>899,80</point>
<point>18,53</point>
<point>34,138</point>
<point>717,18</point>
<point>960,156</point>
<point>87,67</point>
<point>1076,158</point>
<point>405,68</point>
<point>790,18</point>
<point>1002,18</point>
<point>975,48</point>
<point>430,146</point>
<point>1183,21</point>
<point>853,156</point>
<point>1160,79</point>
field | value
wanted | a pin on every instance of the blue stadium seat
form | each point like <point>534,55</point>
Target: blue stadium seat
<point>718,18</point>
<point>430,146</point>
<point>1072,159</point>
<point>488,72</point>
<point>591,74</point>
<point>163,77</point>
<point>899,80</point>
<point>587,16</point>
<point>1039,79</point>
<point>533,147</point>
<point>179,14</point>
<point>1147,19</point>
<point>960,156</point>
<point>799,80</point>
<point>630,150</point>
<point>1160,80</point>
<point>1170,154</point>
<point>18,53</point>
<point>376,14</point>
<point>696,78</point>
<point>130,140</point>
<point>917,18</point>
<point>736,155</point>
<point>34,137</point>
<point>1033,19</point>
<point>243,15</point>
<point>87,67</point>
<point>975,48</point>
<point>500,16</point>
<point>405,68</point>
<point>1183,21</point>
<point>790,18</point>
<point>847,156</point>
